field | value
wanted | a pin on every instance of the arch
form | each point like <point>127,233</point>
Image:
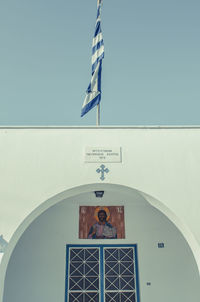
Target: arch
<point>86,189</point>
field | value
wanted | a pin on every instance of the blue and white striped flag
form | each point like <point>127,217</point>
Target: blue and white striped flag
<point>93,96</point>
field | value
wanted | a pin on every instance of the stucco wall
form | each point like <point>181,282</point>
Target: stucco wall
<point>163,163</point>
<point>38,163</point>
<point>36,270</point>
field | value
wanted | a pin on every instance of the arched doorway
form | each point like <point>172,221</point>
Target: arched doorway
<point>34,268</point>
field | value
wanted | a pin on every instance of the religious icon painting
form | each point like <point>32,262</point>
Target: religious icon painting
<point>101,222</point>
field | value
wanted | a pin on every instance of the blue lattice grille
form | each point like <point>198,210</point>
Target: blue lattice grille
<point>83,283</point>
<point>119,277</point>
<point>101,274</point>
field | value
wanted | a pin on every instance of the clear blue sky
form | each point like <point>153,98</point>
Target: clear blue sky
<point>151,69</point>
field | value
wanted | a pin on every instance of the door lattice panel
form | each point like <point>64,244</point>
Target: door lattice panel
<point>101,273</point>
<point>84,275</point>
<point>119,274</point>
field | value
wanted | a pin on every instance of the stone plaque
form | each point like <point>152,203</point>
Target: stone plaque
<point>103,155</point>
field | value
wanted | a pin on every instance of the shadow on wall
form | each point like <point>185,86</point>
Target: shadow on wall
<point>36,269</point>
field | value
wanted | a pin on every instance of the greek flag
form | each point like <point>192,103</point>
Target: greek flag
<point>93,93</point>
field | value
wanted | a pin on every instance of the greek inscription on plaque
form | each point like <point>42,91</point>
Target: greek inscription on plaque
<point>103,155</point>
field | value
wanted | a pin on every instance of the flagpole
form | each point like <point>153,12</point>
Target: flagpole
<point>98,106</point>
<point>93,92</point>
<point>98,115</point>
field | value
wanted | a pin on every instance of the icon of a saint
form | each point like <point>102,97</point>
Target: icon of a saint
<point>102,229</point>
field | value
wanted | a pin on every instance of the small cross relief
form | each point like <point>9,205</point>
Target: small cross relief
<point>102,170</point>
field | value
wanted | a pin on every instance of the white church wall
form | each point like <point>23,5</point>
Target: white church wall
<point>38,163</point>
<point>36,270</point>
